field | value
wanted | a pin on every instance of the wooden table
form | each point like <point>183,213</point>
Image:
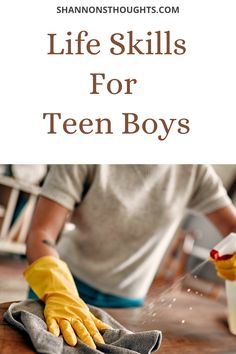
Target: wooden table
<point>191,324</point>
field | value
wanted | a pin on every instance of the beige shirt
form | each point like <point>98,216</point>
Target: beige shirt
<point>126,216</point>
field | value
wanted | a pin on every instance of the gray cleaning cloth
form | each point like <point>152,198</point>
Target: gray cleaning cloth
<point>28,316</point>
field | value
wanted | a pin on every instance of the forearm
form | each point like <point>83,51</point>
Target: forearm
<point>224,219</point>
<point>47,224</point>
<point>39,244</point>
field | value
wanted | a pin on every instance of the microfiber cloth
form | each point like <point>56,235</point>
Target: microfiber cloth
<point>28,316</point>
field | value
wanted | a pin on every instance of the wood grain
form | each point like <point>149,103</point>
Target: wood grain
<point>204,331</point>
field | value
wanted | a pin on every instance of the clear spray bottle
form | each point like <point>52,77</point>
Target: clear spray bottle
<point>225,249</point>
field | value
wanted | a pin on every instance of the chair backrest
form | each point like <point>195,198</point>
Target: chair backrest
<point>13,232</point>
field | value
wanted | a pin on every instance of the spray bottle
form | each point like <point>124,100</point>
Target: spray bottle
<point>222,251</point>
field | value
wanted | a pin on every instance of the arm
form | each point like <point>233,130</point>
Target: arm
<point>48,221</point>
<point>51,280</point>
<point>224,219</point>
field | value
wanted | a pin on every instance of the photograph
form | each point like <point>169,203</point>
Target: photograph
<point>117,258</point>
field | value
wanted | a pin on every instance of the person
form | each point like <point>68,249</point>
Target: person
<point>125,217</point>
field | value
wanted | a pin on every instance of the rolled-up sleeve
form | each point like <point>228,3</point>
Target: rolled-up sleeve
<point>64,184</point>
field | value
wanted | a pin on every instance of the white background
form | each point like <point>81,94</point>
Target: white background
<point>199,85</point>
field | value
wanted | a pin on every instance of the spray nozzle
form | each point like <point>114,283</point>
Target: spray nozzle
<point>225,249</point>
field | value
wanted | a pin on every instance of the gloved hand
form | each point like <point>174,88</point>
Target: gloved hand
<point>226,269</point>
<point>64,311</point>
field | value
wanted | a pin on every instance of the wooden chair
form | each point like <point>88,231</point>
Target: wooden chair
<point>13,234</point>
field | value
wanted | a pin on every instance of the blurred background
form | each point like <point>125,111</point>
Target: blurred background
<point>19,189</point>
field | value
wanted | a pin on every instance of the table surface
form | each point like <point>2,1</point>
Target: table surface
<point>190,323</point>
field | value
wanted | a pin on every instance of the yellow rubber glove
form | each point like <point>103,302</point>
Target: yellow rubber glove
<point>65,312</point>
<point>226,269</point>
